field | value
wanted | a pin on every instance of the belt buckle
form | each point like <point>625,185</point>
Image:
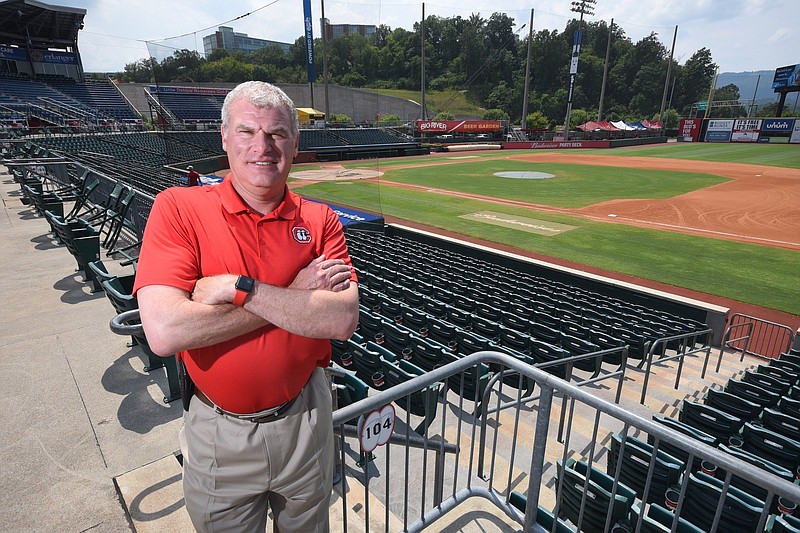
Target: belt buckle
<point>264,416</point>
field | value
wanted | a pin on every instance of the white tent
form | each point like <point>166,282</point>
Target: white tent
<point>622,126</point>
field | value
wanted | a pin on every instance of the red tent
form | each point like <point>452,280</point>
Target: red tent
<point>605,126</point>
<point>589,126</point>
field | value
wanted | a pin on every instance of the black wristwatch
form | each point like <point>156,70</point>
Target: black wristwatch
<point>244,286</point>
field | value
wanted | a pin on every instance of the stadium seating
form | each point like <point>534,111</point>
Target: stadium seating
<point>636,460</point>
<point>657,519</point>
<point>741,511</point>
<point>129,323</point>
<point>734,405</point>
<point>596,493</point>
<point>710,420</point>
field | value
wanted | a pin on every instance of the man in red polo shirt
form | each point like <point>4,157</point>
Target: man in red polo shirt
<point>246,282</point>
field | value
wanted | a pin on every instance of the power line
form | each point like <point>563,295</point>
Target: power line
<point>216,25</point>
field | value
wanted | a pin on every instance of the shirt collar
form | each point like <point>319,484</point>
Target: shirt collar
<point>234,204</point>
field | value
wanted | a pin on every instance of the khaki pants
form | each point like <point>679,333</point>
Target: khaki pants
<point>234,470</point>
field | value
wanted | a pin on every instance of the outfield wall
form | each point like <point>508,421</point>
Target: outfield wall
<point>557,145</point>
<point>740,130</point>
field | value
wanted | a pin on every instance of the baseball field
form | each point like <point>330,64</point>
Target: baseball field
<point>719,222</point>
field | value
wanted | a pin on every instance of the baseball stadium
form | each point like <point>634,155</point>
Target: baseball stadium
<point>595,333</point>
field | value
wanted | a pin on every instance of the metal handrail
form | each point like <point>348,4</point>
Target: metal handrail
<point>548,385</point>
<point>728,342</point>
<point>679,356</point>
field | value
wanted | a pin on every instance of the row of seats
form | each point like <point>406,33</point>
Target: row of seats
<point>524,295</point>
<point>59,107</point>
<point>589,497</point>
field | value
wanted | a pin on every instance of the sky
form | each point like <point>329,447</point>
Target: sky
<point>743,35</point>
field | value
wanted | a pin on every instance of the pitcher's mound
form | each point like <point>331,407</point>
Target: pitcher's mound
<point>335,174</point>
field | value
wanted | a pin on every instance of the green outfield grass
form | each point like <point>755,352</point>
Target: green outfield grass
<point>776,155</point>
<point>759,275</point>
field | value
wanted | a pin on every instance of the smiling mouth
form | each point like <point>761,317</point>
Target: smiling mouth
<point>264,163</point>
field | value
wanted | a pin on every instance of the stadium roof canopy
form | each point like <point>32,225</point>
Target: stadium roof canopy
<point>39,25</point>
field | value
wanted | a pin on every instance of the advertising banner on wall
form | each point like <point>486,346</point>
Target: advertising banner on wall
<point>746,130</point>
<point>719,131</point>
<point>466,126</point>
<point>777,125</point>
<point>689,129</point>
<point>13,54</point>
<point>795,137</point>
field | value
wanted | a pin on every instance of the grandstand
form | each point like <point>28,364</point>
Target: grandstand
<point>620,355</point>
<point>527,395</point>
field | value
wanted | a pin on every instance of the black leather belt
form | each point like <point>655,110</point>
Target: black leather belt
<point>267,415</point>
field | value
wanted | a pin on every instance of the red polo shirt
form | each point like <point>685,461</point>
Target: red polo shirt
<point>203,231</point>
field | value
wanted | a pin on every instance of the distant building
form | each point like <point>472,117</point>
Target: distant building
<point>337,30</point>
<point>227,39</point>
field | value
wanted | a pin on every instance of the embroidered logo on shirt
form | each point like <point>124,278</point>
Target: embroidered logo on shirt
<point>301,235</point>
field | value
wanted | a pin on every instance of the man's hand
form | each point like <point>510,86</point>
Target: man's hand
<point>322,273</point>
<point>213,290</point>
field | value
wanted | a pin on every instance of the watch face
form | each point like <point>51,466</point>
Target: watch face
<point>245,284</point>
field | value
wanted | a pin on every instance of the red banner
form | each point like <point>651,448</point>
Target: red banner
<point>460,126</point>
<point>690,129</point>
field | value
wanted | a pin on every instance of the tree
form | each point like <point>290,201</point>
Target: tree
<point>578,117</point>
<point>728,94</point>
<point>672,119</point>
<point>444,115</point>
<point>537,121</point>
<point>340,118</point>
<point>694,80</point>
<point>494,114</point>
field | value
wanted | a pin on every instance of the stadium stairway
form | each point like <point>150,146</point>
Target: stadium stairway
<point>89,444</point>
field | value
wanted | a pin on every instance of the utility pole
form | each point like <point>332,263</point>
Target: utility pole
<point>584,7</point>
<point>605,73</point>
<point>523,123</point>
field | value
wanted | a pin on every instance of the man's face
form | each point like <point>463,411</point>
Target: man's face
<point>260,148</point>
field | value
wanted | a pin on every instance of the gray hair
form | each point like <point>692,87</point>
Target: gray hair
<point>261,94</point>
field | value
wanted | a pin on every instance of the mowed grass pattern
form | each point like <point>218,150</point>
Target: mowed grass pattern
<point>750,273</point>
<point>574,186</point>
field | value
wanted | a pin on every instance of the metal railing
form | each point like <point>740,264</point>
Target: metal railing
<point>521,453</point>
<point>687,345</point>
<point>762,338</point>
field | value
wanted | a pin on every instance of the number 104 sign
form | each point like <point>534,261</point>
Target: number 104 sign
<point>375,428</point>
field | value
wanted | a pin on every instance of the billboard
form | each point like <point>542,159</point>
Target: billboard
<point>719,131</point>
<point>460,126</point>
<point>690,129</point>
<point>787,77</point>
<point>746,130</point>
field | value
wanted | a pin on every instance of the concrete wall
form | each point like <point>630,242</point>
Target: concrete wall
<point>357,104</point>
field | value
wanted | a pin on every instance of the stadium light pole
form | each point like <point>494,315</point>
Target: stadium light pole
<point>666,81</point>
<point>524,122</point>
<point>422,63</point>
<point>325,60</point>
<point>584,7</point>
<point>605,73</point>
